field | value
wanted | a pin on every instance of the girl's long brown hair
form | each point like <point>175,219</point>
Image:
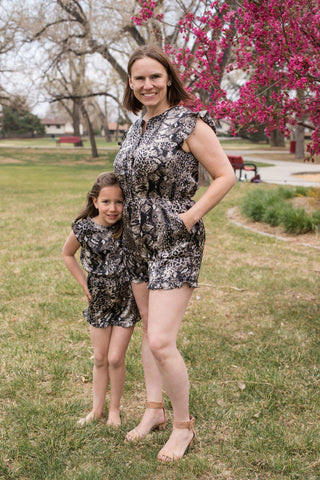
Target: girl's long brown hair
<point>105,179</point>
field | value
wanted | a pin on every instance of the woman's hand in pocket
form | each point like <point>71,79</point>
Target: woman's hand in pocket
<point>186,220</point>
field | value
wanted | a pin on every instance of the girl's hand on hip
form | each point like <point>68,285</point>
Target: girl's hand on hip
<point>86,291</point>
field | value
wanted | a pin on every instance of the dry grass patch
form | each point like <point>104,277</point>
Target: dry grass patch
<point>8,160</point>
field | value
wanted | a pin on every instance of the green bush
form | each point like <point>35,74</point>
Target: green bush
<point>272,207</point>
<point>296,220</point>
<point>303,191</point>
<point>271,215</point>
<point>253,205</point>
<point>316,221</point>
<point>287,193</point>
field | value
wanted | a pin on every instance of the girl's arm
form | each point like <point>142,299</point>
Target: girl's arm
<point>68,252</point>
<point>205,146</point>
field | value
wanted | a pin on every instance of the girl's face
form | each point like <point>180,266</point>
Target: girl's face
<point>110,205</point>
<point>149,81</point>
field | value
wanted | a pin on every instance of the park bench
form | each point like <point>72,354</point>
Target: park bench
<point>77,141</point>
<point>238,164</point>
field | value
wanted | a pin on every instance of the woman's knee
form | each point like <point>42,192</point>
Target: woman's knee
<point>161,346</point>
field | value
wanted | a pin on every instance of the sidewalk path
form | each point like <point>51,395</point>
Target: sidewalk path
<point>280,172</point>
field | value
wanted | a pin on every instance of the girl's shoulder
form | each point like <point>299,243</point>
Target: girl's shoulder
<point>87,229</point>
<point>80,228</point>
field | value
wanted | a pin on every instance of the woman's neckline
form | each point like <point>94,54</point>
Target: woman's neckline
<point>143,121</point>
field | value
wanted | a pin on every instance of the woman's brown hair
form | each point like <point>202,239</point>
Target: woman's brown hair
<point>176,91</point>
<point>105,179</point>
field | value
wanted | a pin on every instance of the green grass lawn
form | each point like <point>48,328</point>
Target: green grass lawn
<point>48,142</point>
<point>233,143</point>
<point>250,339</point>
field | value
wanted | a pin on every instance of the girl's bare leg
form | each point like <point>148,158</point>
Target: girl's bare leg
<point>119,341</point>
<point>153,381</point>
<point>100,338</point>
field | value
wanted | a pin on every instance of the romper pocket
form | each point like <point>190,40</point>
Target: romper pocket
<point>166,228</point>
<point>174,231</point>
<point>180,224</point>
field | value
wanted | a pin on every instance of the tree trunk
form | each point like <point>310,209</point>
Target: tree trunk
<point>105,117</point>
<point>204,177</point>
<point>277,139</point>
<point>94,151</point>
<point>76,107</point>
<point>107,134</point>
<point>299,136</point>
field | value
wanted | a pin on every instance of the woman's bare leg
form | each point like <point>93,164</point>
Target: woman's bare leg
<point>100,338</point>
<point>153,381</point>
<point>166,310</point>
<point>119,341</point>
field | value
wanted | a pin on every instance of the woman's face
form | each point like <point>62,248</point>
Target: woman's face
<point>149,81</point>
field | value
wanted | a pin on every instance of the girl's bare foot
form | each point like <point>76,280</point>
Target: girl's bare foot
<point>91,417</point>
<point>114,419</point>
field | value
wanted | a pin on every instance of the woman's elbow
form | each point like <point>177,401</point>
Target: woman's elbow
<point>232,179</point>
<point>229,179</point>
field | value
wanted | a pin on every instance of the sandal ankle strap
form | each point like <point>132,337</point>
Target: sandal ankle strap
<point>155,405</point>
<point>188,424</point>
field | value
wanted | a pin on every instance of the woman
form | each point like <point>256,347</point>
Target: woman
<point>157,168</point>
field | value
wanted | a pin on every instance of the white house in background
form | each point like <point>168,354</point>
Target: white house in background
<point>115,129</point>
<point>58,127</point>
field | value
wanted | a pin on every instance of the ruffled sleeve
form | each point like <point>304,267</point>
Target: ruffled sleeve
<point>79,230</point>
<point>185,123</point>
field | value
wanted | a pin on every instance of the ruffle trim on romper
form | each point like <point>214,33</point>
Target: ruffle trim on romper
<point>186,123</point>
<point>172,285</point>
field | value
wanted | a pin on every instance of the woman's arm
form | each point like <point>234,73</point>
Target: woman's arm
<point>68,252</point>
<point>205,146</point>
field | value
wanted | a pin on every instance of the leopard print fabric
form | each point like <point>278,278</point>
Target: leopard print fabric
<point>159,179</point>
<point>101,255</point>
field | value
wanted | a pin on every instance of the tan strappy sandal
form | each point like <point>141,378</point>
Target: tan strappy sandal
<point>168,457</point>
<point>134,436</point>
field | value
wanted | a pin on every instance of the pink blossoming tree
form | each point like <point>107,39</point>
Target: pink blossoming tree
<point>273,44</point>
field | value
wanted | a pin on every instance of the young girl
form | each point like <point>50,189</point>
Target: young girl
<point>112,311</point>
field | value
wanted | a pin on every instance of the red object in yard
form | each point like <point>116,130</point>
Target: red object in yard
<point>292,146</point>
<point>238,164</point>
<point>77,141</point>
